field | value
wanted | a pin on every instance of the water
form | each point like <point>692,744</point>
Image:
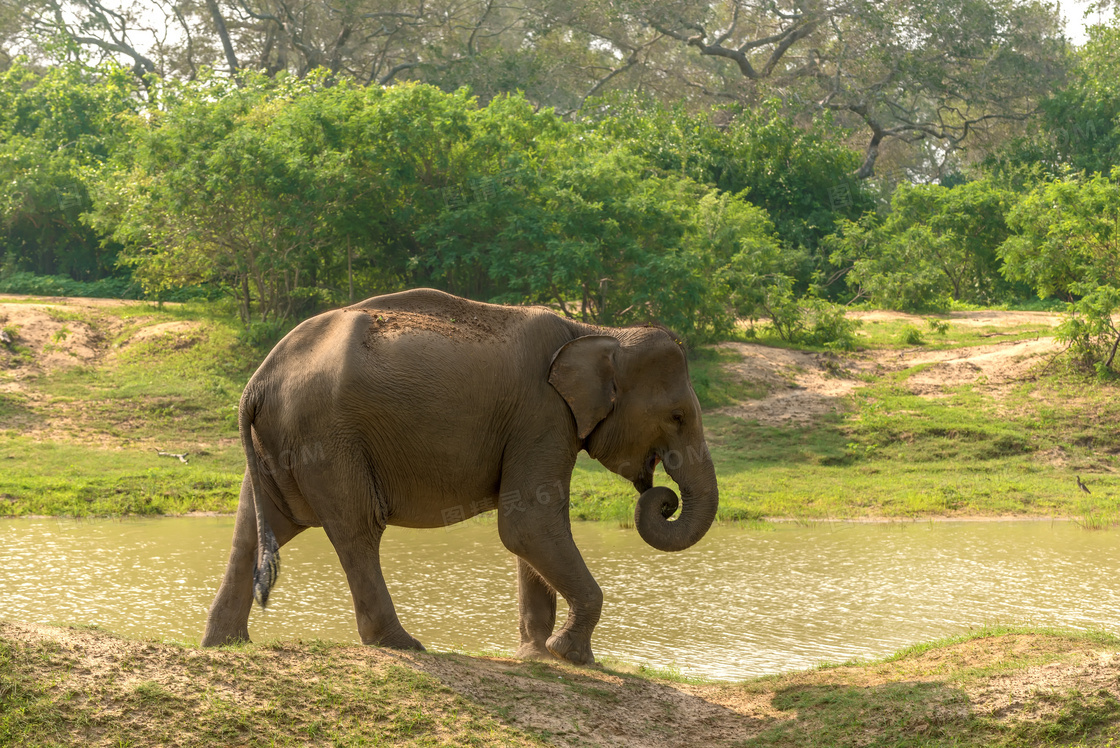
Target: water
<point>740,603</point>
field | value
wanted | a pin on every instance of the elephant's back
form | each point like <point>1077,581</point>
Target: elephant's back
<point>431,313</point>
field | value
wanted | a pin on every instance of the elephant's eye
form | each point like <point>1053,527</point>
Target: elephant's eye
<point>678,417</point>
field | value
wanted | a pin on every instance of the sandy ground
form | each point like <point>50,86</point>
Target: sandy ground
<point>1008,679</point>
<point>805,386</point>
<point>54,334</point>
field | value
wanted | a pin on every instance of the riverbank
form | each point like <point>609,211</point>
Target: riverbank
<point>974,414</point>
<point>994,687</point>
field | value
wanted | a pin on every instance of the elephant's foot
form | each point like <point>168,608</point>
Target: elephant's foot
<point>564,646</point>
<point>399,639</point>
<point>533,651</point>
<point>216,638</point>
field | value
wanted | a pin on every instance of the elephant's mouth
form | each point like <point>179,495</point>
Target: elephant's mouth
<point>644,481</point>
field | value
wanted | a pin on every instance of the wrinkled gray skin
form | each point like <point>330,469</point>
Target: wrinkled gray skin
<point>420,409</point>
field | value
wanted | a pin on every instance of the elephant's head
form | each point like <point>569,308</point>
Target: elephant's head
<point>634,407</point>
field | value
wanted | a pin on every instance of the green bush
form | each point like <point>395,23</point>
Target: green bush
<point>1067,241</point>
<point>911,335</point>
<point>829,326</point>
<point>935,246</point>
<point>63,285</point>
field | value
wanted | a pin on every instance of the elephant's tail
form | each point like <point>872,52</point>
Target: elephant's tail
<point>267,566</point>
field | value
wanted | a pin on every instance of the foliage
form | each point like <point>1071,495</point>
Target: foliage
<point>1082,119</point>
<point>919,78</point>
<point>1090,328</point>
<point>802,176</point>
<point>240,185</point>
<point>294,194</point>
<point>911,335</point>
<point>56,128</point>
<point>935,245</point>
<point>64,285</point>
<point>1078,128</point>
<point>828,326</point>
<point>1068,244</point>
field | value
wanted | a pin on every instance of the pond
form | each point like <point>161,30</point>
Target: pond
<point>742,602</point>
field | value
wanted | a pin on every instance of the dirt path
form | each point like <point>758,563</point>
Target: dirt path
<point>803,387</point>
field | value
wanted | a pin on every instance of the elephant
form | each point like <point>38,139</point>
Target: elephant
<point>421,409</point>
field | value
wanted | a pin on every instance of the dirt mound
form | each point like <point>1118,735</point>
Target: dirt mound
<point>59,334</point>
<point>178,327</point>
<point>996,366</point>
<point>46,337</point>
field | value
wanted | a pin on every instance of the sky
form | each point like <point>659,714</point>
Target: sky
<point>1073,11</point>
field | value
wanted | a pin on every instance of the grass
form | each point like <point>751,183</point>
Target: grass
<point>938,332</point>
<point>928,695</point>
<point>83,441</point>
<point>930,331</point>
<point>69,686</point>
<point>64,479</point>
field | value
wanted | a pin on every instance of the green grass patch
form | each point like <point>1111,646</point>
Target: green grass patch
<point>939,332</point>
<point>1098,637</point>
<point>53,478</point>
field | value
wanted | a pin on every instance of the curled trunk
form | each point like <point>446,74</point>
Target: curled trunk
<point>700,496</point>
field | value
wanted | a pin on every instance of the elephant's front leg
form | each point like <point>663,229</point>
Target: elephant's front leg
<point>541,535</point>
<point>536,603</point>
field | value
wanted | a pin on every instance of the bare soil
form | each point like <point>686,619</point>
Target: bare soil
<point>1005,680</point>
<point>802,387</point>
<point>52,335</point>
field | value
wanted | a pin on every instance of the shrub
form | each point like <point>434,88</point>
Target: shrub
<point>911,335</point>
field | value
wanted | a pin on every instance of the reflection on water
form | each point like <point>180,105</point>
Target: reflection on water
<point>740,603</point>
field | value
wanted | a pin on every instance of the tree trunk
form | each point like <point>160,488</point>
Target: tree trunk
<point>223,34</point>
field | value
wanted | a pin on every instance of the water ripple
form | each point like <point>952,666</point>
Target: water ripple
<point>740,603</point>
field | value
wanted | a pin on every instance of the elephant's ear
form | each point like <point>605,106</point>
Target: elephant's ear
<point>582,372</point>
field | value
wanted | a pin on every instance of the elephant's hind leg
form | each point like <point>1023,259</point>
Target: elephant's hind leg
<point>228,619</point>
<point>359,552</point>
<point>356,534</point>
<point>542,537</point>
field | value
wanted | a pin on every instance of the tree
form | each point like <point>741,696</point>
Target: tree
<point>910,71</point>
<point>926,75</point>
<point>935,244</point>
<point>291,193</point>
<point>213,193</point>
<point>1067,244</point>
<point>561,214</point>
<point>1083,117</point>
<point>56,129</point>
<point>800,175</point>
